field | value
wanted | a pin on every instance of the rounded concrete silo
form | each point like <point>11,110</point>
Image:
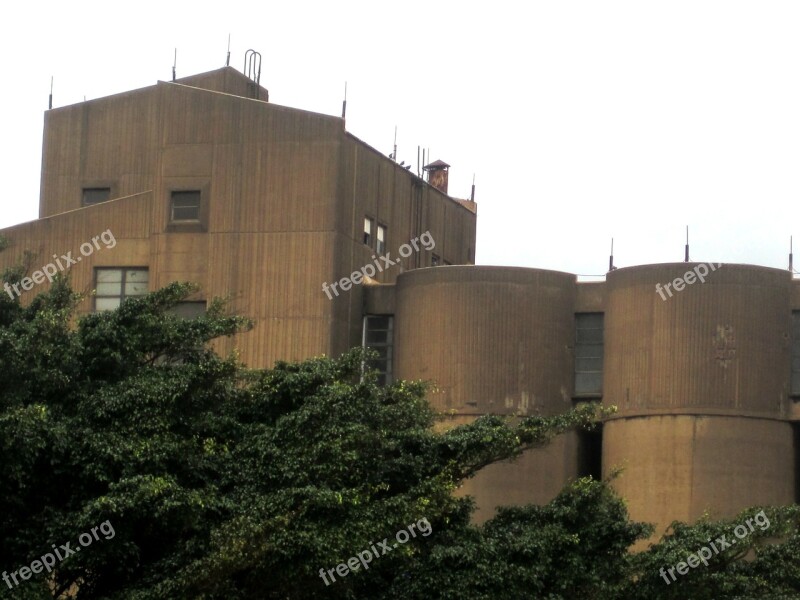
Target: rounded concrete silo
<point>494,341</point>
<point>699,372</point>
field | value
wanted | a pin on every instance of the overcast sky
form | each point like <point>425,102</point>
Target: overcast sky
<point>582,121</point>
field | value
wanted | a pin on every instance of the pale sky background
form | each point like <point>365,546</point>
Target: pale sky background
<point>582,120</point>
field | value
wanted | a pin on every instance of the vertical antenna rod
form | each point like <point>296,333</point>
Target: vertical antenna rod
<point>611,266</point>
<point>344,103</point>
<point>50,103</point>
<point>791,256</point>
<point>472,195</point>
<point>228,60</point>
<point>174,64</point>
<point>686,253</point>
<point>394,154</point>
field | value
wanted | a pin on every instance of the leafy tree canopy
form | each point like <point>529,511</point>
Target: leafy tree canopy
<point>224,482</point>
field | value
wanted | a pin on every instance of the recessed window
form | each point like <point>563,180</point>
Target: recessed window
<point>589,354</point>
<point>378,337</point>
<point>95,195</point>
<point>381,239</point>
<point>435,260</point>
<point>185,206</point>
<point>795,384</point>
<point>368,232</point>
<point>112,286</point>
<point>189,310</point>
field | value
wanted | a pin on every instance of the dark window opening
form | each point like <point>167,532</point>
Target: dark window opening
<point>590,453</point>
<point>378,336</point>
<point>95,195</point>
<point>589,354</point>
<point>185,206</point>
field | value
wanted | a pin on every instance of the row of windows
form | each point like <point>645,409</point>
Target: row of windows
<point>184,205</point>
<point>380,235</point>
<point>378,336</point>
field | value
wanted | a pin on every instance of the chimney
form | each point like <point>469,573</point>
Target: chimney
<point>437,175</point>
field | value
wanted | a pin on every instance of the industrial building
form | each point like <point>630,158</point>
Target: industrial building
<point>203,179</point>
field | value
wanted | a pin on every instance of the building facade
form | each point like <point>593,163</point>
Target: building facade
<point>288,215</point>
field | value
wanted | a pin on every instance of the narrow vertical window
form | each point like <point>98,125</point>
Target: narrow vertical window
<point>368,232</point>
<point>795,384</point>
<point>378,336</point>
<point>381,239</point>
<point>589,354</point>
<point>435,260</point>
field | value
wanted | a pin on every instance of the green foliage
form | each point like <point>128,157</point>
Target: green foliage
<point>223,482</point>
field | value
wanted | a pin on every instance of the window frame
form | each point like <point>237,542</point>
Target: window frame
<point>580,348</point>
<point>94,188</point>
<point>794,355</point>
<point>122,295</point>
<point>385,375</point>
<point>381,230</point>
<point>195,221</point>
<point>368,226</point>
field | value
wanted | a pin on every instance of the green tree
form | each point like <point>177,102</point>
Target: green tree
<point>224,482</point>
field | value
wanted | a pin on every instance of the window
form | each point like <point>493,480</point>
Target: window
<point>378,337</point>
<point>368,232</point>
<point>381,245</point>
<point>189,310</point>
<point>185,206</point>
<point>435,260</point>
<point>588,354</point>
<point>95,195</point>
<point>795,384</point>
<point>112,286</point>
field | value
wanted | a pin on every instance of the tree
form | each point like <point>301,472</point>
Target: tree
<point>224,482</point>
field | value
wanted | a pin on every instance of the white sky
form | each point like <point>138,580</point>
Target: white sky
<point>582,120</point>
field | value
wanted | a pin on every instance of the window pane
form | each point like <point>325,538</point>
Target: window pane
<point>186,205</point>
<point>590,320</point>
<point>189,310</point>
<point>367,231</point>
<point>588,350</point>
<point>588,383</point>
<point>590,335</point>
<point>108,275</point>
<point>135,288</point>
<point>378,322</point>
<point>106,303</point>
<point>108,289</point>
<point>377,337</point>
<point>589,364</point>
<point>95,195</point>
<point>137,275</point>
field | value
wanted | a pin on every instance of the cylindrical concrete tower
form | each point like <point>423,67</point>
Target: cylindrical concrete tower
<point>494,340</point>
<point>700,374</point>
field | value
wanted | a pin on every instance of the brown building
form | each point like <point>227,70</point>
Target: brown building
<point>287,214</point>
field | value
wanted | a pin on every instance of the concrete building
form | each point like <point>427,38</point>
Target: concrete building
<point>204,180</point>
